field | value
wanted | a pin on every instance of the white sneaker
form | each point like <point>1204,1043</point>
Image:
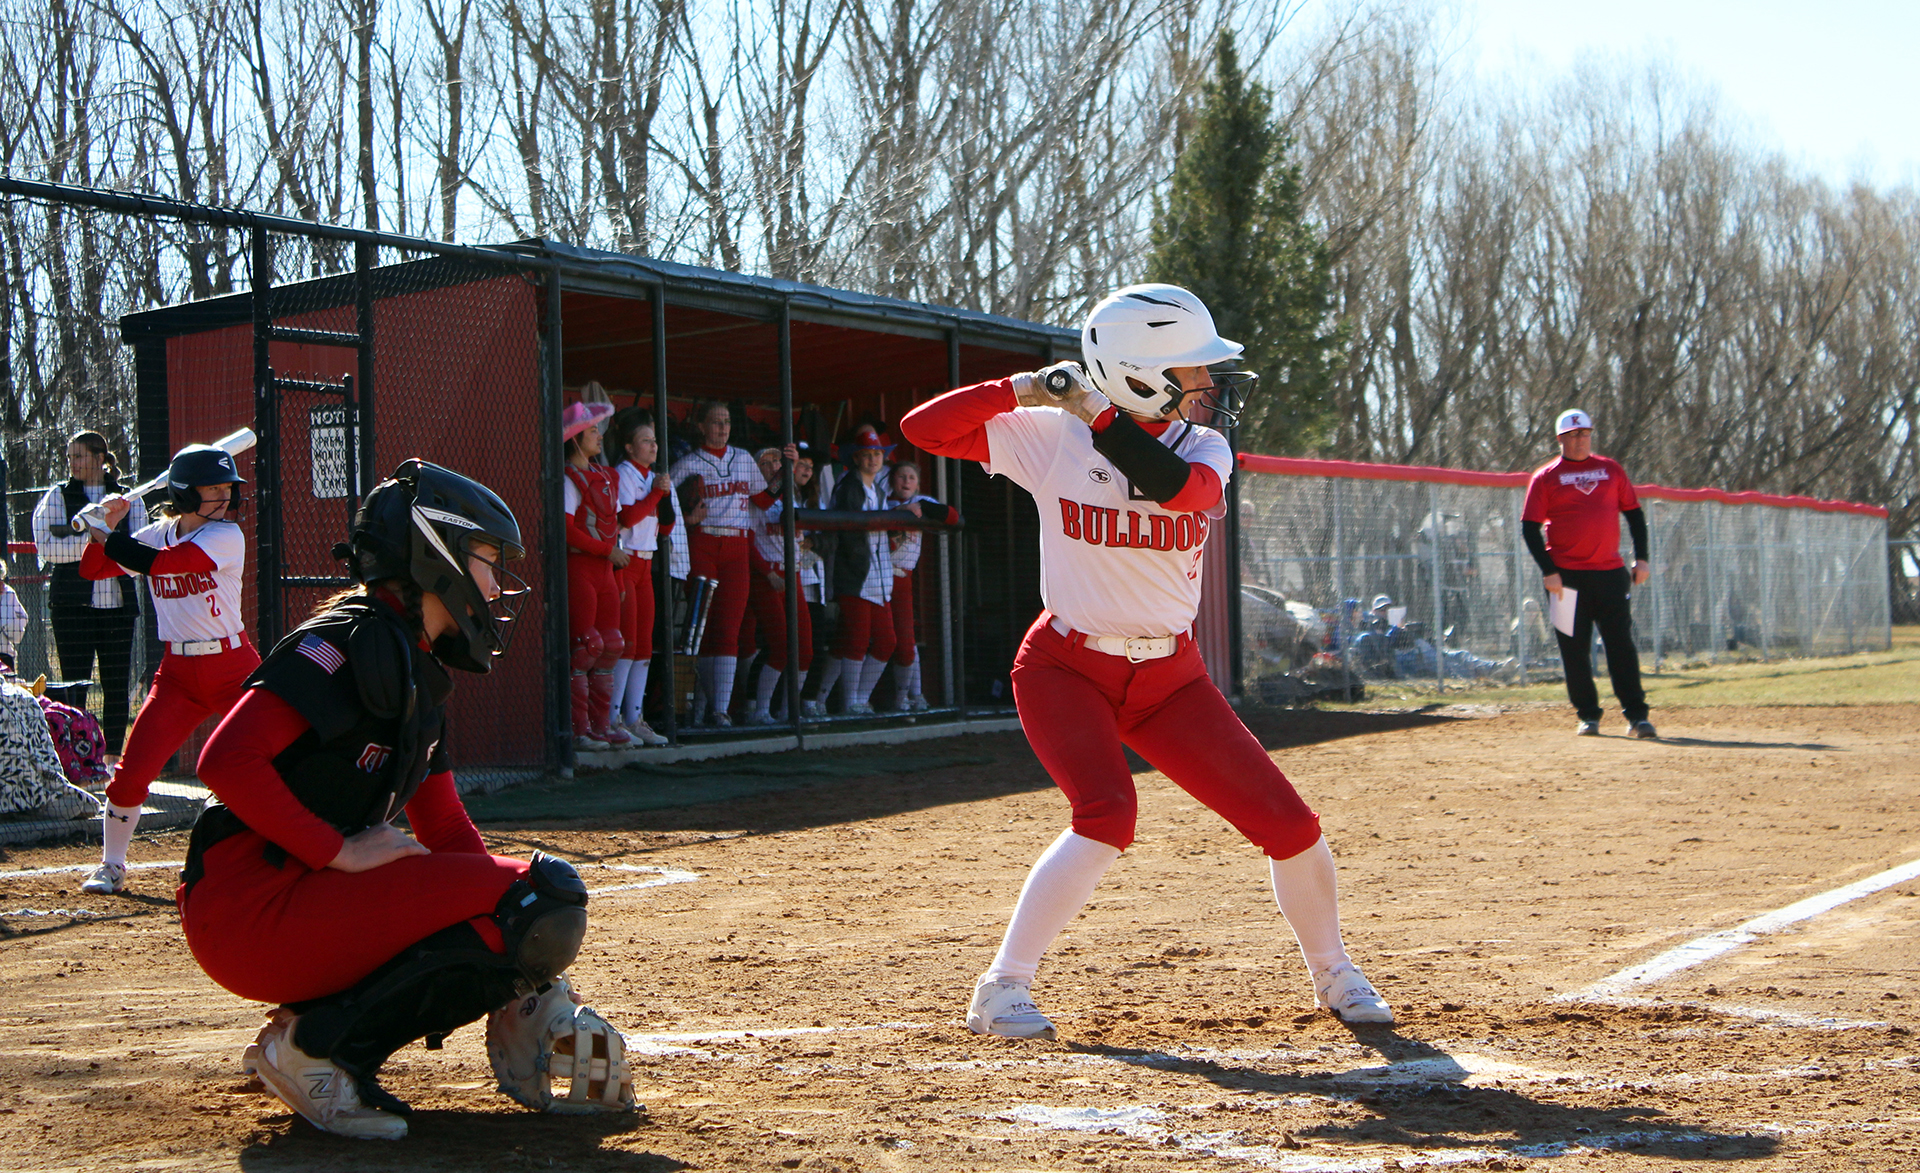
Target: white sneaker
<point>815,709</point>
<point>1006,1009</point>
<point>109,879</point>
<point>584,741</point>
<point>761,717</point>
<point>859,709</point>
<point>643,733</point>
<point>327,1096</point>
<point>916,704</point>
<point>721,720</point>
<point>1587,729</point>
<point>1346,991</point>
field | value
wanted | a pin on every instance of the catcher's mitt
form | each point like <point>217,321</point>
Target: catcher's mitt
<point>546,1036</point>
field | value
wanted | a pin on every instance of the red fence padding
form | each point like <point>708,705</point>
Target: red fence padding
<point>1358,470</point>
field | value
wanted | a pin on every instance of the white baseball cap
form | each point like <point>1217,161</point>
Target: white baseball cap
<point>1380,601</point>
<point>1571,420</point>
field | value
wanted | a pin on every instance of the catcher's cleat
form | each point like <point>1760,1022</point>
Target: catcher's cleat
<point>109,879</point>
<point>1346,991</point>
<point>537,1038</point>
<point>1587,729</point>
<point>1645,731</point>
<point>317,1089</point>
<point>1006,1009</point>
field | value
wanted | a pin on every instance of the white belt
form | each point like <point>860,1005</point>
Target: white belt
<point>722,531</point>
<point>206,647</point>
<point>1135,648</point>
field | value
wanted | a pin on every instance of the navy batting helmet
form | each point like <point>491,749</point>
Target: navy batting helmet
<point>197,465</point>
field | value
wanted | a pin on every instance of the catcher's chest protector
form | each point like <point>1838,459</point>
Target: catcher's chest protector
<point>377,707</point>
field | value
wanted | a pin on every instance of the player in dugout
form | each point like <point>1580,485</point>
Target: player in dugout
<point>1128,489</point>
<point>299,890</point>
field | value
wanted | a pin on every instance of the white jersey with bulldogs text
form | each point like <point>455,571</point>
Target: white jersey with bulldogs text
<point>726,482</point>
<point>201,605</point>
<point>1111,563</point>
<point>642,537</point>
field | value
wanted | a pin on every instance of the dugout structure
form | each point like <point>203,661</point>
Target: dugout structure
<point>1734,574</point>
<point>349,351</point>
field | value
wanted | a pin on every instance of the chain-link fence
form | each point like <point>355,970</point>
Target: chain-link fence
<point>1353,575</point>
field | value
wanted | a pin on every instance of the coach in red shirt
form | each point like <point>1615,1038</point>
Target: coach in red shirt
<point>1571,521</point>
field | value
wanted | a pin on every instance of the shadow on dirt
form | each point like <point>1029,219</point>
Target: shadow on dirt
<point>760,794</point>
<point>463,1141</point>
<point>1419,1098</point>
<point>1704,743</point>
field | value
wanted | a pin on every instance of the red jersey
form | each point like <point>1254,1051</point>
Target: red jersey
<point>1579,503</point>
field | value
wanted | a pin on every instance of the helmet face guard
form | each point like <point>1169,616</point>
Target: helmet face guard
<point>1137,336</point>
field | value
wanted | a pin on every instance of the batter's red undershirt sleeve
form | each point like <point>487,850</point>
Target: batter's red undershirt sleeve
<point>579,539</point>
<point>95,564</point>
<point>1201,492</point>
<point>954,425</point>
<point>237,765</point>
<point>439,819</point>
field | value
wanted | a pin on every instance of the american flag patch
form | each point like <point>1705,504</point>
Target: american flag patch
<point>322,653</point>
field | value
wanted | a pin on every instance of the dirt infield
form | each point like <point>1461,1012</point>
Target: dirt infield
<point>794,972</point>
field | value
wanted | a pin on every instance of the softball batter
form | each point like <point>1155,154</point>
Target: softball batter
<point>193,558</point>
<point>1128,492</point>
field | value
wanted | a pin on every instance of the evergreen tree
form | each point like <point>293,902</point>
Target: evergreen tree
<point>1232,231</point>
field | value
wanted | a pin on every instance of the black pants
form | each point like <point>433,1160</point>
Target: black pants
<point>83,633</point>
<point>1602,602</point>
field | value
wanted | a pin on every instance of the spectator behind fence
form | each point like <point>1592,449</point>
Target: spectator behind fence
<point>1571,523</point>
<point>642,494</point>
<point>13,622</point>
<point>92,621</point>
<point>594,560</point>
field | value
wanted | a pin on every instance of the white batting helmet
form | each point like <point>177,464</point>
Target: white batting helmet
<point>1137,334</point>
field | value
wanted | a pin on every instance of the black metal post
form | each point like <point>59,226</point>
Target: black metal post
<point>958,570</point>
<point>363,462</point>
<point>560,749</point>
<point>266,462</point>
<point>663,574</point>
<point>796,666</point>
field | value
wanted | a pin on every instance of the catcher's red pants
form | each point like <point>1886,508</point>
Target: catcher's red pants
<point>186,691</point>
<point>1078,706</point>
<point>289,933</point>
<point>636,606</point>
<point>902,613</point>
<point>725,559</point>
<point>770,611</point>
<point>866,629</point>
<point>593,597</point>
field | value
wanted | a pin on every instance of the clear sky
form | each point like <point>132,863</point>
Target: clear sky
<point>1834,84</point>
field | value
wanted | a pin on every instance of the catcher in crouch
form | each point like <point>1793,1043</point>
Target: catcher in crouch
<point>298,889</point>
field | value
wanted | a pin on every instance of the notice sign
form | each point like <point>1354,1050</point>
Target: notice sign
<point>327,431</point>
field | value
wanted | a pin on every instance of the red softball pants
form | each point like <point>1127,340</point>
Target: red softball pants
<point>1078,707</point>
<point>593,605</point>
<point>186,691</point>
<point>769,612</point>
<point>636,606</point>
<point>290,933</point>
<point>724,559</point>
<point>901,611</point>
<point>866,629</point>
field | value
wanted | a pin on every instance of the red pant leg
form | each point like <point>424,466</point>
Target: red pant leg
<point>289,933</point>
<point>726,560</point>
<point>640,603</point>
<point>1068,711</point>
<point>902,618</point>
<point>186,691</point>
<point>589,578</point>
<point>855,616</point>
<point>1176,718</point>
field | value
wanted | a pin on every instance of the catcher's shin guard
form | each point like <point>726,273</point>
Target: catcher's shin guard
<point>548,1035</point>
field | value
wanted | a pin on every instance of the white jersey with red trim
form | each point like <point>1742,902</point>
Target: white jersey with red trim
<point>642,537</point>
<point>726,481</point>
<point>201,605</point>
<point>1111,561</point>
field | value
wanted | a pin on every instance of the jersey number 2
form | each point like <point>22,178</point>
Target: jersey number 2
<point>213,602</point>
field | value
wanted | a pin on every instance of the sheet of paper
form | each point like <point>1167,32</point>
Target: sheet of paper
<point>1562,608</point>
<point>1396,616</point>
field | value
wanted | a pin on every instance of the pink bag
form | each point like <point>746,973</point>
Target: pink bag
<point>78,739</point>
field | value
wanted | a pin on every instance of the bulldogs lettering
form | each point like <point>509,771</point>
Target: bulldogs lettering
<point>1100,525</point>
<point>180,586</point>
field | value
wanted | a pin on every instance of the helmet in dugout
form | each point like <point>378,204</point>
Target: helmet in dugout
<point>1135,337</point>
<point>197,465</point>
<point>422,525</point>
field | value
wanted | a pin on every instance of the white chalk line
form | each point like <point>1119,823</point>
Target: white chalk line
<point>1704,949</point>
<point>661,876</point>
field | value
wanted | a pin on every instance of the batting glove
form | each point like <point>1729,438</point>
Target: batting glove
<point>1064,385</point>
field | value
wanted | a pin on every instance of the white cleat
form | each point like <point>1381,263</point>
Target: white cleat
<point>644,733</point>
<point>1346,991</point>
<point>1006,1009</point>
<point>327,1096</point>
<point>761,717</point>
<point>109,879</point>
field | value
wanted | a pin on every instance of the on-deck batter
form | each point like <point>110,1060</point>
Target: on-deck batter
<point>1128,491</point>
